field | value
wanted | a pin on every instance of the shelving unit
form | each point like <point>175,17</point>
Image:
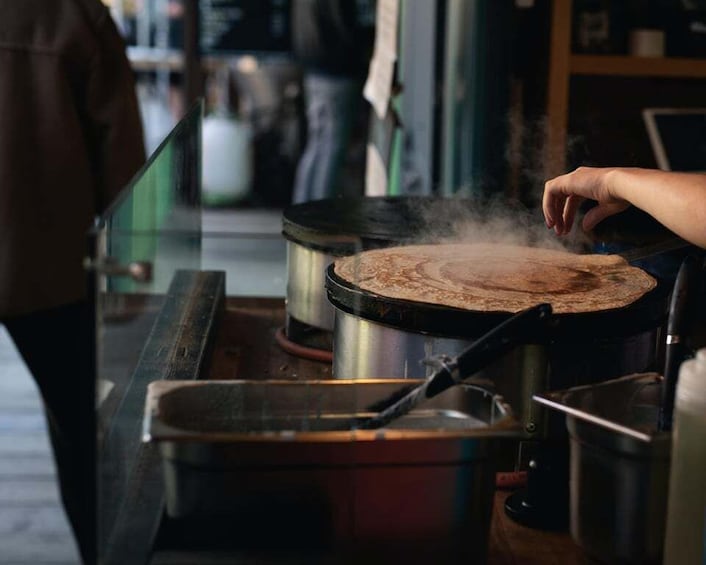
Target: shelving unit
<point>623,65</point>
<point>563,64</point>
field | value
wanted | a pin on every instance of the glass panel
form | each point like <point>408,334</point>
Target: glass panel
<point>248,246</point>
<point>150,231</point>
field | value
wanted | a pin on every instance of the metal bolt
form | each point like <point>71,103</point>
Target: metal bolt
<point>531,427</point>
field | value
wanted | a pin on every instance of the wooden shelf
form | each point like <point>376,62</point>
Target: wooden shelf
<point>626,66</point>
<point>563,65</point>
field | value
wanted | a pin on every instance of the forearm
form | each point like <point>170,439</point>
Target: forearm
<point>676,200</point>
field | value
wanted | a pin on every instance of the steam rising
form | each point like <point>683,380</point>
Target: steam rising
<point>463,220</point>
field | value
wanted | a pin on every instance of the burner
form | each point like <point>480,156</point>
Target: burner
<point>303,351</point>
<point>308,335</point>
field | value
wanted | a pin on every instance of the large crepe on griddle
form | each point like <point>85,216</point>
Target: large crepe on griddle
<point>497,277</point>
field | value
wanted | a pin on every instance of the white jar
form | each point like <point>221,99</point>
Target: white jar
<point>227,159</point>
<point>686,507</point>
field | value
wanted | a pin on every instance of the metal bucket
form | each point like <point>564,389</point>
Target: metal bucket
<point>619,467</point>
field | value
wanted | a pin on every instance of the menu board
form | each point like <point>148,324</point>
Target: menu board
<point>242,26</point>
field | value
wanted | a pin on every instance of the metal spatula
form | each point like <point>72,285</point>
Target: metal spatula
<point>520,328</point>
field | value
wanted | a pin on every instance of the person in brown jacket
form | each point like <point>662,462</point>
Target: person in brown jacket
<point>70,139</point>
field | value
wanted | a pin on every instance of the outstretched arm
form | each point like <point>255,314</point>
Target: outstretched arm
<point>676,200</point>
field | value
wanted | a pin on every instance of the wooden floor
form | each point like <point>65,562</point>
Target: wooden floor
<point>33,526</point>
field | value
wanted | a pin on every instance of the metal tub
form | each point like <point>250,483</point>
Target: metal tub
<point>619,467</point>
<point>285,454</point>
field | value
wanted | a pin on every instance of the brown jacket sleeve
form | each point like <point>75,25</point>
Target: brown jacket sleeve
<point>113,119</point>
<point>70,140</point>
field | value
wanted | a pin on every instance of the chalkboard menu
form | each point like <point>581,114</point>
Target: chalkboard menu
<point>241,26</point>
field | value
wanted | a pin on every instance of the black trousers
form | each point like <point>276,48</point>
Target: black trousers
<point>58,347</point>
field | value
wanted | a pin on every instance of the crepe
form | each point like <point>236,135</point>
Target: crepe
<point>497,277</point>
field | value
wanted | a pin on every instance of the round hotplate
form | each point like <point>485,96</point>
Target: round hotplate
<point>342,226</point>
<point>462,290</point>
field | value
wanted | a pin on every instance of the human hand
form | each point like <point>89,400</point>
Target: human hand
<point>564,194</point>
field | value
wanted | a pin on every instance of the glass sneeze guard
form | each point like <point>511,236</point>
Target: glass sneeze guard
<point>152,230</point>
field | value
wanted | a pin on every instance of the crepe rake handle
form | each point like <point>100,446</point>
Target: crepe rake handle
<point>520,328</point>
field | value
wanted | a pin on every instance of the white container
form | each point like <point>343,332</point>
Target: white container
<point>686,507</point>
<point>647,43</point>
<point>227,162</point>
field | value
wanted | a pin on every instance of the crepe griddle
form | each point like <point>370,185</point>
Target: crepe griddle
<point>419,316</point>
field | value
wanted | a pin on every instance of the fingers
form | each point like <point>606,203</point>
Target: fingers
<point>553,206</point>
<point>564,194</point>
<point>558,207</point>
<point>569,213</point>
<point>600,212</point>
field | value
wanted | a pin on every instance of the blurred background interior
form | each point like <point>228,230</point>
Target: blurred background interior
<point>491,98</point>
<point>494,97</point>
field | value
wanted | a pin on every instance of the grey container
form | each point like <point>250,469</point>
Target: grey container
<point>619,468</point>
<point>284,453</point>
